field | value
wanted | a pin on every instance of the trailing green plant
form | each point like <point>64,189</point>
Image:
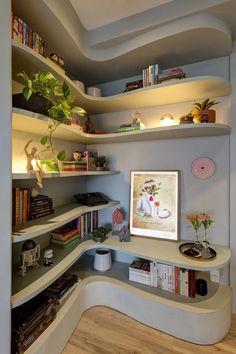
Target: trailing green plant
<point>204,105</point>
<point>99,234</point>
<point>59,109</point>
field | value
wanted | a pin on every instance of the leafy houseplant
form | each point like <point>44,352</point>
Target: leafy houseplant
<point>101,162</point>
<point>57,103</point>
<point>203,113</point>
<point>99,234</point>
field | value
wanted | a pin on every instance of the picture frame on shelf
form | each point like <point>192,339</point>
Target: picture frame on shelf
<point>154,204</point>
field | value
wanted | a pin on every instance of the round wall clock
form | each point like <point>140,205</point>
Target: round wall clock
<point>203,167</point>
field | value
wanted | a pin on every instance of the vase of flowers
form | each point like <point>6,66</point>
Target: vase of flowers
<point>206,223</point>
<point>196,223</point>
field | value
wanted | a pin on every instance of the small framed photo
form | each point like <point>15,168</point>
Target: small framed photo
<point>154,204</point>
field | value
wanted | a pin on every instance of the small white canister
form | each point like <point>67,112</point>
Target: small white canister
<point>80,85</point>
<point>102,259</point>
<point>94,91</point>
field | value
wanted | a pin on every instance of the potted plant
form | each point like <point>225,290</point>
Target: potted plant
<point>101,162</point>
<point>203,113</point>
<point>44,94</point>
<point>99,234</point>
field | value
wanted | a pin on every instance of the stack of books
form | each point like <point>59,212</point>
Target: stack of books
<point>174,73</point>
<point>130,127</point>
<point>151,74</point>
<point>85,163</point>
<point>40,205</point>
<point>25,35</point>
<point>62,288</point>
<point>134,85</point>
<point>65,235</point>
<point>177,280</point>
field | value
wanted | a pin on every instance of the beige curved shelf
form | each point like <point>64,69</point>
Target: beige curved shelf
<point>62,215</point>
<point>35,123</point>
<point>64,174</point>
<point>188,89</point>
<point>163,251</point>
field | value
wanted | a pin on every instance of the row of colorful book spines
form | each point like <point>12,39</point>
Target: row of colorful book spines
<point>25,208</point>
<point>171,278</point>
<point>25,35</point>
<point>150,75</point>
<point>80,226</point>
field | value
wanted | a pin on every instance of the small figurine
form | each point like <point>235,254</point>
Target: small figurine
<point>77,155</point>
<point>48,254</point>
<point>54,57</point>
<point>124,234</point>
<point>32,163</point>
<point>117,221</point>
<point>60,62</point>
<point>30,254</point>
<point>88,125</point>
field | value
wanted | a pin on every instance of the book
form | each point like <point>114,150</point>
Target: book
<point>191,283</point>
<point>60,286</point>
<point>64,242</point>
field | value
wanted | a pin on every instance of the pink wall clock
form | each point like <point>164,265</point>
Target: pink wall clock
<point>203,167</point>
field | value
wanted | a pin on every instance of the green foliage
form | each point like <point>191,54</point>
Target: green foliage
<point>99,234</point>
<point>101,160</point>
<point>204,105</point>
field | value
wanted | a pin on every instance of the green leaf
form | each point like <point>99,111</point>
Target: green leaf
<point>23,75</point>
<point>65,90</point>
<point>78,110</point>
<point>27,92</point>
<point>61,155</point>
<point>44,140</point>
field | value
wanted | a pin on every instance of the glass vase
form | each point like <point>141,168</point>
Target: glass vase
<point>197,243</point>
<point>206,253</point>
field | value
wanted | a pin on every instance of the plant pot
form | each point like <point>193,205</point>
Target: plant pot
<point>102,259</point>
<point>206,116</point>
<point>36,103</point>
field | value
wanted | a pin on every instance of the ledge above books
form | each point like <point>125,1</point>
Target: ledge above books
<point>23,175</point>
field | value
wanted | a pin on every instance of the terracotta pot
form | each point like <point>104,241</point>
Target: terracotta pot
<point>206,116</point>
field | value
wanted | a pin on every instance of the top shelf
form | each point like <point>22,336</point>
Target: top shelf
<point>176,91</point>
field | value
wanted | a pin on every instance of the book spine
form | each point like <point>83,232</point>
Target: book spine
<point>176,281</point>
<point>192,283</point>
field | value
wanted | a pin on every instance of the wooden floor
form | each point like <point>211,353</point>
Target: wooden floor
<point>105,331</point>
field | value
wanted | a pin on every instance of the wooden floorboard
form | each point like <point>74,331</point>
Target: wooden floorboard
<point>102,330</point>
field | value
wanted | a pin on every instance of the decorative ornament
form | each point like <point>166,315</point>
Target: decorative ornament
<point>203,167</point>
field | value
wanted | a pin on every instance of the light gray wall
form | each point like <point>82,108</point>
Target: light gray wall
<point>5,185</point>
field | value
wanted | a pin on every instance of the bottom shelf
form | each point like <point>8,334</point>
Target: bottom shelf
<point>197,322</point>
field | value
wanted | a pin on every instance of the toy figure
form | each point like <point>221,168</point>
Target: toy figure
<point>54,57</point>
<point>48,254</point>
<point>60,62</point>
<point>30,254</point>
<point>32,163</point>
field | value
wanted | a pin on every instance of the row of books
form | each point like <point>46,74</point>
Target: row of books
<point>25,207</point>
<point>84,161</point>
<point>174,279</point>
<point>129,127</point>
<point>25,35</point>
<point>174,73</point>
<point>150,75</point>
<point>74,230</point>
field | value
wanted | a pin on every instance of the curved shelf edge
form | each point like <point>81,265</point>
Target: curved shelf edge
<point>108,292</point>
<point>62,215</point>
<point>36,124</point>
<point>163,251</point>
<point>23,175</point>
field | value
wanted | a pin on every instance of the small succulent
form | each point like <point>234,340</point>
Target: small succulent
<point>99,234</point>
<point>101,161</point>
<point>204,105</point>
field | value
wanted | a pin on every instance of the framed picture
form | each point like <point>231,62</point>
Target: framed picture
<point>154,204</point>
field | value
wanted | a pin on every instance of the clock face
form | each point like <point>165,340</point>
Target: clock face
<point>203,167</point>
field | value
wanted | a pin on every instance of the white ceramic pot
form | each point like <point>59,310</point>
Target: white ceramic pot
<point>102,259</point>
<point>94,91</point>
<point>80,85</point>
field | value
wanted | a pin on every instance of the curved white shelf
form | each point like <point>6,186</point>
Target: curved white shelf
<point>64,174</point>
<point>163,251</point>
<point>188,89</point>
<point>147,309</point>
<point>50,222</point>
<point>37,124</point>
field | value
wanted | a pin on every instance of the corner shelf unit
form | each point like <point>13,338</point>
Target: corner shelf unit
<point>141,299</point>
<point>35,123</point>
<point>62,215</point>
<point>193,88</point>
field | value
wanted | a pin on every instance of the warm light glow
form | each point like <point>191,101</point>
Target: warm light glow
<point>34,164</point>
<point>166,120</point>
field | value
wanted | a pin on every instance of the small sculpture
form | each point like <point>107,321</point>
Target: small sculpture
<point>124,234</point>
<point>32,163</point>
<point>117,221</point>
<point>30,254</point>
<point>48,254</point>
<point>88,125</point>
